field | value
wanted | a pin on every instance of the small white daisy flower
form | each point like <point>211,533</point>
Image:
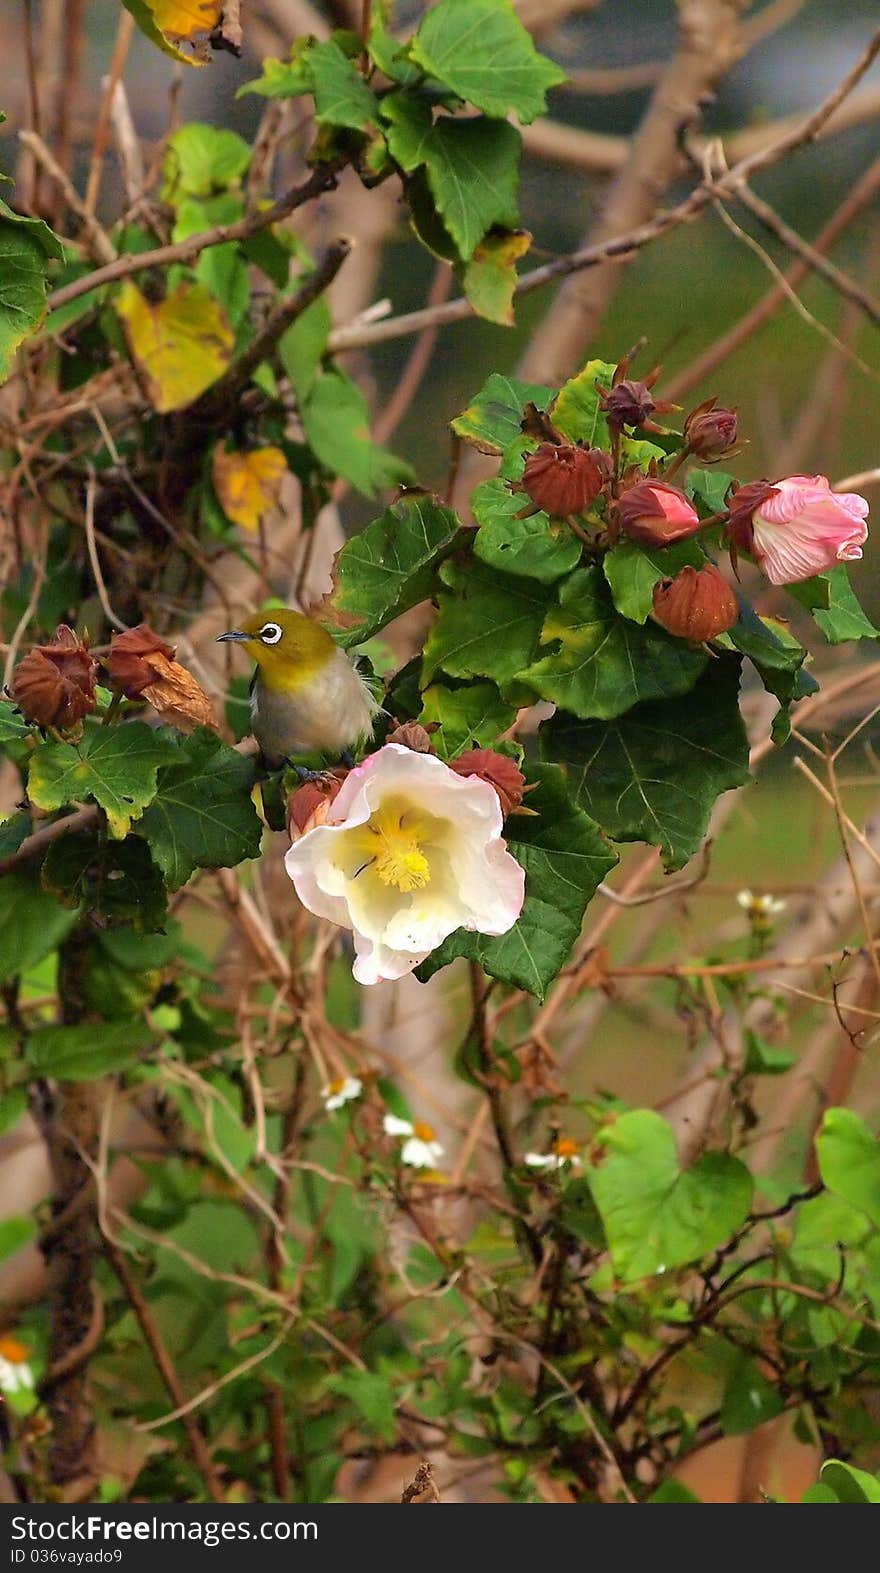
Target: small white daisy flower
<point>15,1372</point>
<point>421,1150</point>
<point>341,1091</point>
<point>760,906</point>
<point>564,1155</point>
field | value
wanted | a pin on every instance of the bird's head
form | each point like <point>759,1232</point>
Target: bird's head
<point>287,646</point>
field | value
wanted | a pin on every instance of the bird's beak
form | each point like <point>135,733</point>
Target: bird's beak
<point>234,634</point>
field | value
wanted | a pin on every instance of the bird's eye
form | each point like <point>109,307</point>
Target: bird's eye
<point>270,633</point>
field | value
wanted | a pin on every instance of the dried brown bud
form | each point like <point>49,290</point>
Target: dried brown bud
<point>656,514</point>
<point>562,478</point>
<point>128,664</point>
<point>54,685</point>
<point>309,805</point>
<point>628,403</point>
<point>410,734</point>
<point>710,431</point>
<point>500,772</point>
<point>698,604</point>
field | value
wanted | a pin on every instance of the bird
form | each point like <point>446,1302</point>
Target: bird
<point>307,695</point>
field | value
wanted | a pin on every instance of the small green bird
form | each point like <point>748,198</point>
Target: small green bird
<point>307,695</point>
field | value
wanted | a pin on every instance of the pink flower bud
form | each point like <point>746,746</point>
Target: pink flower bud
<point>799,527</point>
<point>656,514</point>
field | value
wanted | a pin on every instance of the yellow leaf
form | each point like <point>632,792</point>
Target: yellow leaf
<point>170,23</point>
<point>181,345</point>
<point>248,484</point>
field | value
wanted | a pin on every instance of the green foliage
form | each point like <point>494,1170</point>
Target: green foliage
<point>491,421</point>
<point>390,566</point>
<point>337,425</point>
<point>834,606</point>
<point>632,572</point>
<point>849,1161</point>
<point>565,858</point>
<point>202,815</point>
<point>31,923</point>
<point>653,774</point>
<point>472,167</point>
<point>844,1483</point>
<point>26,244</point>
<point>489,624</point>
<point>116,767</point>
<point>656,1215</point>
<point>600,664</point>
<point>531,548</point>
<point>86,1052</point>
<point>473,716</point>
<point>481,50</point>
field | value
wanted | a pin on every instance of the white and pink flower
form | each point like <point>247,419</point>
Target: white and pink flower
<point>802,528</point>
<point>409,852</point>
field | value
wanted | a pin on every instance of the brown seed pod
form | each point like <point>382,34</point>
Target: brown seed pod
<point>698,604</point>
<point>562,478</point>
<point>54,685</point>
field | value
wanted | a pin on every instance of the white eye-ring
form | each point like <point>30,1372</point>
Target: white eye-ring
<point>270,633</point>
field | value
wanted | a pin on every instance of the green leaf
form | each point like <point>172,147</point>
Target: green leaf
<point>601,664</point>
<point>765,1059</point>
<point>85,1052</point>
<point>284,78</point>
<point>470,717</point>
<point>749,1399</point>
<point>532,547</point>
<point>673,1491</point>
<point>575,410</point>
<point>391,565</point>
<point>632,572</point>
<point>115,765</point>
<point>337,428</point>
<point>849,1161</point>
<point>777,656</point>
<point>13,726</point>
<point>835,608</point>
<point>657,1216</point>
<point>709,487</point>
<point>115,882</point>
<point>492,420</point>
<point>25,246</point>
<point>481,50</point>
<point>489,278</point>
<point>654,774</point>
<point>301,347</point>
<point>373,1398</point>
<point>14,1233</point>
<point>202,815</point>
<point>848,1483</point>
<point>472,166</point>
<point>342,97</point>
<point>201,159</point>
<point>31,923</point>
<point>565,857</point>
<point>12,1106</point>
<point>489,624</point>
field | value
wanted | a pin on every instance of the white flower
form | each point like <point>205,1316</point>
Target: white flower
<point>15,1372</point>
<point>343,1090</point>
<point>760,906</point>
<point>564,1155</point>
<point>393,1125</point>
<point>409,853</point>
<point>421,1150</point>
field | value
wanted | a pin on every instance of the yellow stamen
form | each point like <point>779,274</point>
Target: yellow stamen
<point>424,1132</point>
<point>12,1350</point>
<point>336,1086</point>
<point>565,1147</point>
<point>399,859</point>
